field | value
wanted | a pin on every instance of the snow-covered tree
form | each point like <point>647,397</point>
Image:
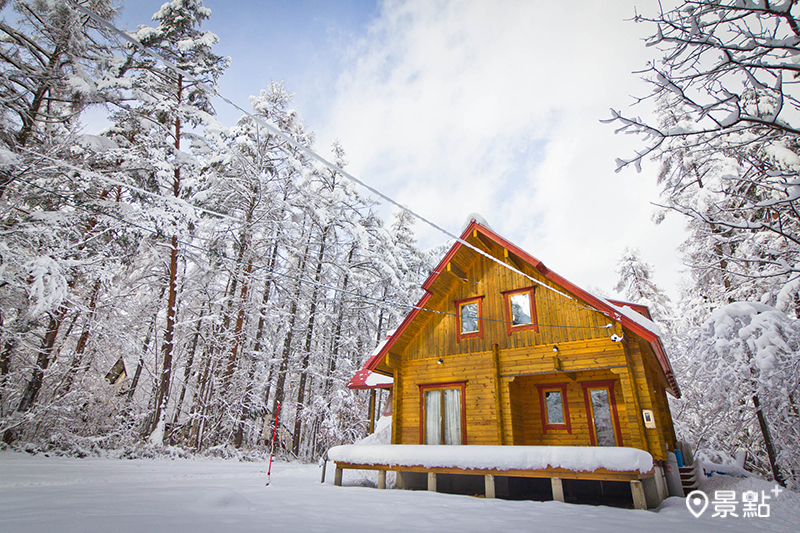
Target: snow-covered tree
<point>169,281</point>
<point>727,137</point>
<point>167,109</point>
<point>637,285</point>
<point>742,377</point>
<point>56,241</point>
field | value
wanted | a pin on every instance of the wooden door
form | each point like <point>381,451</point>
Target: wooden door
<point>601,411</point>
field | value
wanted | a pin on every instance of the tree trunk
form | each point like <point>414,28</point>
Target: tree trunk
<point>162,394</point>
<point>768,444</point>
<point>287,340</point>
<point>338,333</point>
<point>5,363</point>
<point>80,348</point>
<point>145,346</point>
<point>236,341</point>
<point>188,369</point>
<point>199,399</point>
<point>237,330</point>
<point>301,389</point>
<point>244,411</point>
<point>42,361</point>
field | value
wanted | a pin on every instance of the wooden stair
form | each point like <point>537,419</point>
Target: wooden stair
<point>690,477</point>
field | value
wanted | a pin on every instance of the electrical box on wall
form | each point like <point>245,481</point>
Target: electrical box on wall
<point>649,419</point>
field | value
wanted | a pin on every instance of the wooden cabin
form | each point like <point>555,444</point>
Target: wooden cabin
<point>520,356</point>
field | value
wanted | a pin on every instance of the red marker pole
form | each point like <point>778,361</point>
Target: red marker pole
<point>274,432</point>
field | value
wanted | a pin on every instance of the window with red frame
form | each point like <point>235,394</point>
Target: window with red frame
<point>470,318</point>
<point>554,408</point>
<point>521,310</point>
<point>443,413</point>
<point>601,411</point>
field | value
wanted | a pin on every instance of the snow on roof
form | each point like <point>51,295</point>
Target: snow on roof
<point>635,316</point>
<point>475,217</point>
<point>365,378</point>
<point>575,458</point>
<point>377,380</point>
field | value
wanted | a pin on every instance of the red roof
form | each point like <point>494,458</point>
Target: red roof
<point>610,308</point>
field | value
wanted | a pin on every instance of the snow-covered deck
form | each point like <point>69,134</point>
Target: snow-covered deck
<point>553,462</point>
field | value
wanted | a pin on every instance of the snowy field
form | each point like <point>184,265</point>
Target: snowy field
<point>53,494</point>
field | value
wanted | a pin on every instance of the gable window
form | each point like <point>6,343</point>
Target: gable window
<point>470,318</point>
<point>520,310</point>
<point>442,413</point>
<point>554,407</point>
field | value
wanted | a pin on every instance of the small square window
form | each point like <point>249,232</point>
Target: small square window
<point>470,318</point>
<point>520,310</point>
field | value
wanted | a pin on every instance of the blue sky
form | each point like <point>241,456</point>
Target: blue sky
<point>299,41</point>
<point>457,106</point>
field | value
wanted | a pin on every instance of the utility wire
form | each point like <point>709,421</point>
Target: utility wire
<point>267,270</point>
<point>298,146</point>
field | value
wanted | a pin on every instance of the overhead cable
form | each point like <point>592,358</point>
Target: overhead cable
<point>267,270</point>
<point>299,146</point>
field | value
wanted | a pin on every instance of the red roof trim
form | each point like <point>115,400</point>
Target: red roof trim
<point>359,380</point>
<point>601,305</point>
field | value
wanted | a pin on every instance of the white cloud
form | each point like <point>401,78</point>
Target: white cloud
<point>493,107</point>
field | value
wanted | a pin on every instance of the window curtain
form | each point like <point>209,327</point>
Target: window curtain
<point>433,417</point>
<point>452,416</point>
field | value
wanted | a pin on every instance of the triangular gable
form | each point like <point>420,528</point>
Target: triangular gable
<point>628,315</point>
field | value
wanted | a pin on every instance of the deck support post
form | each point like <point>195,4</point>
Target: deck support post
<point>337,477</point>
<point>432,481</point>
<point>489,484</point>
<point>372,411</point>
<point>558,489</point>
<point>381,479</point>
<point>661,483</point>
<point>637,490</point>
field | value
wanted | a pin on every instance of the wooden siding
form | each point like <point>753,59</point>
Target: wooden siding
<point>528,429</point>
<point>561,319</point>
<point>512,366</point>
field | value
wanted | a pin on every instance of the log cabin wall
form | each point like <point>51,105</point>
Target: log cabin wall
<point>495,362</point>
<point>561,319</point>
<point>529,428</point>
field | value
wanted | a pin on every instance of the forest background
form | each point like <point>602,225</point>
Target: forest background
<point>167,283</point>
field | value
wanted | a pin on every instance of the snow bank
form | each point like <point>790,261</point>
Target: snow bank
<point>578,458</point>
<point>202,495</point>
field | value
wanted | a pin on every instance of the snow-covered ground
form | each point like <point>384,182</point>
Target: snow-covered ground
<point>39,494</point>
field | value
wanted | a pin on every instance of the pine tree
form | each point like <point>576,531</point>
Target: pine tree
<point>171,104</point>
<point>637,285</point>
